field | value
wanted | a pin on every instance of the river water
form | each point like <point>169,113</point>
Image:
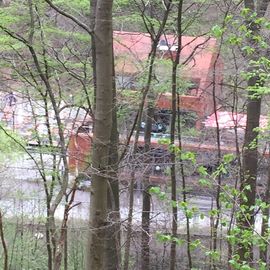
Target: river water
<point>22,194</point>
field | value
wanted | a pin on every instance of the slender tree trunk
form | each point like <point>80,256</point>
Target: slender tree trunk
<point>184,191</point>
<point>173,173</point>
<point>250,161</point>
<point>135,149</point>
<point>102,135</point>
<point>145,254</point>
<point>3,242</point>
<point>146,207</point>
<point>93,4</point>
<point>265,218</point>
<point>131,185</point>
<point>62,241</point>
<point>173,121</point>
<point>239,168</point>
<point>146,195</point>
<point>132,182</point>
<point>129,222</point>
<point>219,182</point>
<point>113,256</point>
<point>250,150</point>
<point>66,250</point>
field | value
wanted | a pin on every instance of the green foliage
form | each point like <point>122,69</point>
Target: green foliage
<point>214,255</point>
<point>248,32</point>
<point>27,245</point>
<point>11,144</point>
<point>217,31</point>
<point>228,158</point>
<point>195,244</point>
<point>82,6</point>
<point>205,182</point>
<point>164,141</point>
<point>202,171</point>
<point>189,156</point>
<point>61,33</point>
<point>157,191</point>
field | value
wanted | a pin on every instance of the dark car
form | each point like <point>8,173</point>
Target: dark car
<point>156,127</point>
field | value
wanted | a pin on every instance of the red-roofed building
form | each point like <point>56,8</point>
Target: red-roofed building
<point>200,67</point>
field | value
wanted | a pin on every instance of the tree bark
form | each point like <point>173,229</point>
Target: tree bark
<point>173,172</point>
<point>173,122</point>
<point>3,242</point>
<point>146,207</point>
<point>93,5</point>
<point>265,218</point>
<point>113,239</point>
<point>250,151</point>
<point>250,166</point>
<point>101,136</point>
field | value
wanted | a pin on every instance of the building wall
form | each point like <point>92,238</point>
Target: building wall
<point>213,83</point>
<point>79,151</point>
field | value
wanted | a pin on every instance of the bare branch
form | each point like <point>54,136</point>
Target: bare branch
<point>71,17</point>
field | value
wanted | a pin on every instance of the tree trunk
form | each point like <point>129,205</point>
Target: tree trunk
<point>102,135</point>
<point>184,191</point>
<point>93,5</point>
<point>250,152</point>
<point>265,218</point>
<point>250,161</point>
<point>113,256</point>
<point>173,122</point>
<point>3,242</point>
<point>129,221</point>
<point>146,207</point>
<point>173,173</point>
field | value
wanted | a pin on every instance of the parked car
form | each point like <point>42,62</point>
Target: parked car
<point>156,127</point>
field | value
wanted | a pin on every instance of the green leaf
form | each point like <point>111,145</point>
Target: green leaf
<point>195,244</point>
<point>178,241</point>
<point>188,156</point>
<point>213,212</point>
<point>204,182</point>
<point>162,196</point>
<point>154,190</point>
<point>245,11</point>
<point>189,214</point>
<point>202,171</point>
<point>235,40</point>
<point>267,25</point>
<point>228,18</point>
<point>228,158</point>
<point>215,255</point>
<point>174,204</point>
<point>183,204</point>
<point>163,237</point>
<point>217,31</point>
<point>248,50</point>
<point>260,20</point>
<point>164,141</point>
<point>223,222</point>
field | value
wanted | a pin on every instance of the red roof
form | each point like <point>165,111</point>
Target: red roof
<point>228,120</point>
<point>132,48</point>
<point>198,55</point>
